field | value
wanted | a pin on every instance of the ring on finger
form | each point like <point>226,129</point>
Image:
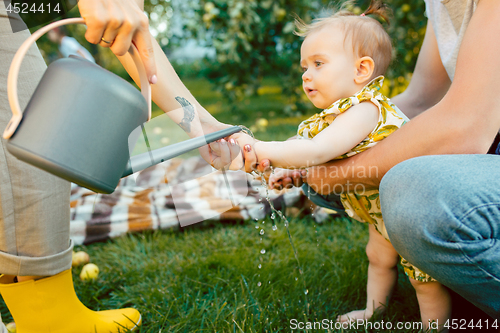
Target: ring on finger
<point>105,41</point>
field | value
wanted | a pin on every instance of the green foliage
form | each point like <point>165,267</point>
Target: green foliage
<point>255,38</point>
<point>407,30</point>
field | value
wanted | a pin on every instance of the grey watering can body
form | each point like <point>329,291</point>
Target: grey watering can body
<point>78,121</point>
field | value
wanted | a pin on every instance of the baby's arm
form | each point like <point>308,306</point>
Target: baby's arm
<point>348,129</point>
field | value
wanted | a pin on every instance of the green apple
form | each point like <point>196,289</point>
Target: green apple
<point>89,272</point>
<point>80,258</point>
<point>11,327</point>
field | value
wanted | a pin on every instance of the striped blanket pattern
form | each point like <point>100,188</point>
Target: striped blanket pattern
<point>174,194</point>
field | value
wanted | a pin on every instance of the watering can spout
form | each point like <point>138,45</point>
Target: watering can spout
<point>146,160</point>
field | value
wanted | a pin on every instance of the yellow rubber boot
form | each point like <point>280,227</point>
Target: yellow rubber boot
<point>50,305</point>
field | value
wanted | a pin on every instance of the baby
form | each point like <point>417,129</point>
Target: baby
<point>343,58</point>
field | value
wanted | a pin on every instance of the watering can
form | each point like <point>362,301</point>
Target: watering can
<point>78,122</point>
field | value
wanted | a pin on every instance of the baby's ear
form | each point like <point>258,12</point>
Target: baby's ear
<point>364,70</point>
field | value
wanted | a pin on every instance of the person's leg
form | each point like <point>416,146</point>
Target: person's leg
<point>442,214</point>
<point>34,237</point>
<point>3,329</point>
<point>382,276</point>
<point>34,209</point>
<point>34,222</point>
<point>434,302</point>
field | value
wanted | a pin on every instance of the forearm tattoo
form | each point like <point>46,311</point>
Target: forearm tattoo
<point>188,108</point>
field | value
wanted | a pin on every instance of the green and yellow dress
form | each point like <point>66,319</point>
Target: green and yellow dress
<point>364,207</point>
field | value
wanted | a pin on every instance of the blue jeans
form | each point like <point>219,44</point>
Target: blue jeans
<point>442,214</point>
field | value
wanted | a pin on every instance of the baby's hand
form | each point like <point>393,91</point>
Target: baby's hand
<point>277,177</point>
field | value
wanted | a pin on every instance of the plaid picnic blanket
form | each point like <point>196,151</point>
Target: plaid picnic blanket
<point>176,193</point>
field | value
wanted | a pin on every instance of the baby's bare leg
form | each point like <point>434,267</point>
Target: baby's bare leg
<point>382,276</point>
<point>434,301</point>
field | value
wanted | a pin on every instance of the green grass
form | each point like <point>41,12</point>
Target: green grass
<point>205,278</point>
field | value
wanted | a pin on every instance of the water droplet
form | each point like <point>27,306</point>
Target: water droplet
<point>275,227</point>
<point>256,219</point>
<point>259,284</point>
<point>296,279</point>
<point>261,231</point>
<point>263,251</point>
<point>306,292</point>
<point>256,227</point>
<point>260,266</point>
<point>269,282</point>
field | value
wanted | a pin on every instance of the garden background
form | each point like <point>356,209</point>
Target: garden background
<point>240,59</point>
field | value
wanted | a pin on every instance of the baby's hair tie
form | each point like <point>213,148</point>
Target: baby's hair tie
<point>362,14</point>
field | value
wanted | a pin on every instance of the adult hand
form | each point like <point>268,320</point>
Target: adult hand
<point>250,159</point>
<point>116,24</point>
<point>223,153</point>
<point>230,155</point>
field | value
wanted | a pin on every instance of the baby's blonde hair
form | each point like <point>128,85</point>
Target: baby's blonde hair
<point>368,36</point>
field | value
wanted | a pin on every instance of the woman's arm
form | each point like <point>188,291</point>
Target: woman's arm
<point>173,97</point>
<point>465,121</point>
<point>429,82</point>
<point>348,129</point>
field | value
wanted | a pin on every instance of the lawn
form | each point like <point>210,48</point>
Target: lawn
<point>215,276</point>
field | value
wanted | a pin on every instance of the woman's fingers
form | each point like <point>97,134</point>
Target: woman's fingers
<point>250,158</point>
<point>117,24</point>
<point>236,157</point>
<point>95,15</point>
<point>144,43</point>
<point>223,152</point>
<point>112,27</point>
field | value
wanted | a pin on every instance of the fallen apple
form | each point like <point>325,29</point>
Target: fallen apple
<point>11,327</point>
<point>80,258</point>
<point>89,272</point>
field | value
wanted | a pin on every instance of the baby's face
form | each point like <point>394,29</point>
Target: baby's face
<point>329,68</point>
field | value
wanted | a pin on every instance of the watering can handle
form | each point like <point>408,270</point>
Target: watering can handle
<point>16,65</point>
